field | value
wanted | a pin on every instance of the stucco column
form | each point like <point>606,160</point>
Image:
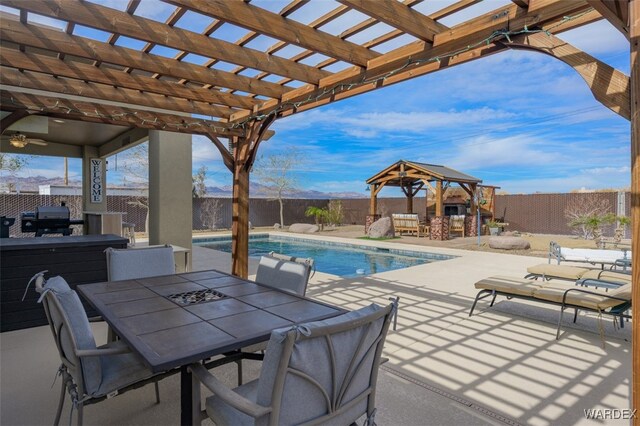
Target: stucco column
<point>94,183</point>
<point>170,193</point>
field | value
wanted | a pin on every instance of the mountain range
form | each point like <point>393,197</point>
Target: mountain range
<point>257,190</point>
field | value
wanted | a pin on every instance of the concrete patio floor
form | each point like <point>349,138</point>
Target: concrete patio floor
<point>501,366</point>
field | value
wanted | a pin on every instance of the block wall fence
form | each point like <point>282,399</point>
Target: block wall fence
<point>535,213</point>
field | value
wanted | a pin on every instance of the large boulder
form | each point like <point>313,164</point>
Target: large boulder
<point>381,228</point>
<point>509,243</point>
<point>303,228</point>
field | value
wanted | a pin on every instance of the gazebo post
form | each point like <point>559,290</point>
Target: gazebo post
<point>634,30</point>
<point>373,204</point>
<point>439,199</point>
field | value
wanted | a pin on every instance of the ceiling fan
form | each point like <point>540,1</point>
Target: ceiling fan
<point>19,140</point>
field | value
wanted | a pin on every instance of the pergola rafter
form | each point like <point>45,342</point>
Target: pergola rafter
<point>157,90</point>
<point>105,113</point>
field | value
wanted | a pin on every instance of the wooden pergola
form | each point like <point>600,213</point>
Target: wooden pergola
<point>156,91</point>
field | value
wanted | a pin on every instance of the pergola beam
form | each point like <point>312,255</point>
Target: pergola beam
<point>98,91</point>
<point>614,11</point>
<point>608,85</point>
<point>57,41</point>
<point>398,15</point>
<point>97,112</point>
<point>122,23</point>
<point>445,44</point>
<point>274,25</point>
<point>13,117</point>
<point>40,63</point>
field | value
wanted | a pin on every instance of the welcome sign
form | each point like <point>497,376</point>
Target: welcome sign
<point>96,180</point>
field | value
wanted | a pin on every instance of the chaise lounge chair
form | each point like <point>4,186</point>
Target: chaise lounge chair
<point>613,301</point>
<point>592,256</point>
<point>575,273</point>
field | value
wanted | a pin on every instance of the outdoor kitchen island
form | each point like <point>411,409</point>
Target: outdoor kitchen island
<point>80,259</point>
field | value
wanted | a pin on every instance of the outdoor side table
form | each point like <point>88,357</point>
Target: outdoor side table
<point>175,320</point>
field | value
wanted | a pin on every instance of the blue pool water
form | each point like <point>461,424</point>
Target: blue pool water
<point>345,260</point>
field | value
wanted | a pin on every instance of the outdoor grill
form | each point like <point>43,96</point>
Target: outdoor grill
<point>48,220</point>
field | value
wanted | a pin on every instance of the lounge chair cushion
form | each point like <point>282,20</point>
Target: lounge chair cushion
<point>593,255</point>
<point>611,276</point>
<point>510,285</point>
<point>554,292</point>
<point>572,273</point>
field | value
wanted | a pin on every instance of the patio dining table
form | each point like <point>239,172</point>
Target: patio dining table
<point>175,320</point>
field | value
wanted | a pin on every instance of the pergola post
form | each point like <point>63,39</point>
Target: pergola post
<point>240,210</point>
<point>634,30</point>
<point>244,154</point>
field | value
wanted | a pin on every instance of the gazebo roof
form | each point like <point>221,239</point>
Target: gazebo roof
<point>403,173</point>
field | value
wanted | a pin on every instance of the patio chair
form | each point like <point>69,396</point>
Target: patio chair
<point>89,373</point>
<point>456,224</point>
<point>142,262</point>
<point>322,372</point>
<point>287,273</point>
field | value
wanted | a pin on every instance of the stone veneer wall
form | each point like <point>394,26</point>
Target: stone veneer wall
<point>471,226</point>
<point>440,228</point>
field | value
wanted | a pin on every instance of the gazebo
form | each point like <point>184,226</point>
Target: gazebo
<point>412,176</point>
<point>72,74</point>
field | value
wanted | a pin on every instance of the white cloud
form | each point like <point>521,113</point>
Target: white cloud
<point>370,124</point>
<point>204,151</point>
<point>597,38</point>
<point>607,171</point>
<point>485,152</point>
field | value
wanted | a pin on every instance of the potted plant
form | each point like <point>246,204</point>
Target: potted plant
<point>494,228</point>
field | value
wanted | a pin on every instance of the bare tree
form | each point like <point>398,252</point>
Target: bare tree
<point>10,165</point>
<point>583,211</point>
<point>135,170</point>
<point>276,173</point>
<point>210,213</point>
<point>199,185</point>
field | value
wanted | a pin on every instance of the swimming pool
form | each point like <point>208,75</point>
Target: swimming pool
<point>345,260</point>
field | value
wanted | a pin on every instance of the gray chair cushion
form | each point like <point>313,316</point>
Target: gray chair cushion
<point>127,264</point>
<point>285,275</point>
<point>119,371</point>
<point>80,329</point>
<point>302,400</point>
<point>223,414</point>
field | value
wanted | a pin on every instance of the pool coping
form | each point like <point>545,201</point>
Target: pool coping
<point>339,242</point>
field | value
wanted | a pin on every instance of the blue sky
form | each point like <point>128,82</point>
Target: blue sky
<point>519,120</point>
